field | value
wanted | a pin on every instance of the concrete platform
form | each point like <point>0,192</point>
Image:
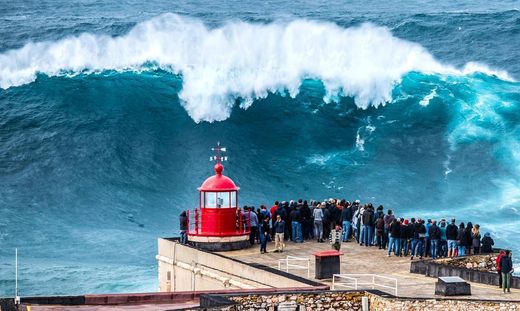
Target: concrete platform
<point>361,259</point>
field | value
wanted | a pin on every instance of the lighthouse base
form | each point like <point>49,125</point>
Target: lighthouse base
<point>219,244</point>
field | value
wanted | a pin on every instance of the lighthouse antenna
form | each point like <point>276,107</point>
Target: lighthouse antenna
<point>218,153</point>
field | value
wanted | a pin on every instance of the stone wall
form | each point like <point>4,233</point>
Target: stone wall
<point>352,300</point>
<point>349,301</point>
<point>479,262</point>
<point>380,303</point>
<point>482,269</point>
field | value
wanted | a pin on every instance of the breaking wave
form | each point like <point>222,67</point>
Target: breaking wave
<point>239,61</point>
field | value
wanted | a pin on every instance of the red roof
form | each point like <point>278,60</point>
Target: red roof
<point>218,182</point>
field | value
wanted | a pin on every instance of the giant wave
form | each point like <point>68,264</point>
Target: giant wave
<point>240,61</point>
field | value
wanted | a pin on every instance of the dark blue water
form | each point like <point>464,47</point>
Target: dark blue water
<point>108,111</point>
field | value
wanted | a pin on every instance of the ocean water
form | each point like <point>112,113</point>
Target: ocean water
<point>108,111</point>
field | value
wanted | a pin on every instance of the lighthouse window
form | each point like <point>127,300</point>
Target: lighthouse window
<point>211,199</point>
<point>223,199</point>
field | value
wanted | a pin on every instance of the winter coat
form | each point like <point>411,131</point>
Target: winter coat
<point>346,214</point>
<point>506,264</point>
<point>475,240</point>
<point>368,217</point>
<point>487,244</point>
<point>434,232</point>
<point>451,232</point>
<point>183,221</point>
<point>395,230</point>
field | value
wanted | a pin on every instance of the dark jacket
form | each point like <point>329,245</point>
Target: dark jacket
<point>434,233</point>
<point>506,264</point>
<point>183,221</point>
<point>404,234</point>
<point>279,227</point>
<point>368,217</point>
<point>410,230</point>
<point>296,216</point>
<point>487,244</point>
<point>451,232</point>
<point>265,228</point>
<point>420,229</point>
<point>380,226</point>
<point>466,239</point>
<point>395,230</point>
<point>346,214</point>
<point>460,236</point>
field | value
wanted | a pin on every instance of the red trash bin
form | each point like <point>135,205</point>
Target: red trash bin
<point>327,264</point>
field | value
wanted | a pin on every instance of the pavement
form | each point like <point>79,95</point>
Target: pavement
<point>367,260</point>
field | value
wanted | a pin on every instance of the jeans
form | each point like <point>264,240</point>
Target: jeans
<point>263,242</point>
<point>434,248</point>
<point>252,234</point>
<point>403,246</point>
<point>184,237</point>
<point>297,231</point>
<point>393,244</point>
<point>506,281</point>
<point>417,247</point>
<point>462,250</point>
<point>318,229</point>
<point>346,230</point>
<point>443,248</point>
<point>367,235</point>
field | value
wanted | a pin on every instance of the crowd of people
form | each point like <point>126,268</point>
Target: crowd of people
<point>341,221</point>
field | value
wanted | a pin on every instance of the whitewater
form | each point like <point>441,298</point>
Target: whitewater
<point>108,112</point>
<point>240,60</point>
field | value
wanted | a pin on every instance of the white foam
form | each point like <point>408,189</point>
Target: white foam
<point>238,60</point>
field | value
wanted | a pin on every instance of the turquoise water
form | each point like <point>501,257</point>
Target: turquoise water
<point>108,112</point>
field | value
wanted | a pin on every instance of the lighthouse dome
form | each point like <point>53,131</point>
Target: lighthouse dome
<point>218,182</point>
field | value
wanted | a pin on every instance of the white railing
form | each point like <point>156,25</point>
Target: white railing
<point>291,262</point>
<point>355,281</point>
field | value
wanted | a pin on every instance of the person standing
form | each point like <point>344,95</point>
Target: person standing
<point>506,265</point>
<point>443,247</point>
<point>394,236</point>
<point>296,225</point>
<point>499,268</point>
<point>273,212</point>
<point>264,234</point>
<point>279,232</point>
<point>318,223</point>
<point>419,237</point>
<point>253,224</point>
<point>183,226</point>
<point>389,218</point>
<point>367,218</point>
<point>461,240</point>
<point>435,235</point>
<point>451,236</point>
<point>475,239</point>
<point>380,230</point>
<point>346,220</point>
<point>335,238</point>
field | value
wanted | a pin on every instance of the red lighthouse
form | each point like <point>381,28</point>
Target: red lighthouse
<point>218,224</point>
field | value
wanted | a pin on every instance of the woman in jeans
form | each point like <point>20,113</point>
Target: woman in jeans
<point>318,222</point>
<point>475,235</point>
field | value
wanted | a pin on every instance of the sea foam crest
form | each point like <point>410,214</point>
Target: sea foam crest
<point>238,60</point>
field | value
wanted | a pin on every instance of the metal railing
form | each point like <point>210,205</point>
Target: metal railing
<point>355,281</point>
<point>290,263</point>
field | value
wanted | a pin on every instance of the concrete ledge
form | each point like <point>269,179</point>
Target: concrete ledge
<point>436,268</point>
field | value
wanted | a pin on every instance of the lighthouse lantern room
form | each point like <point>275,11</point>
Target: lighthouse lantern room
<point>218,224</point>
